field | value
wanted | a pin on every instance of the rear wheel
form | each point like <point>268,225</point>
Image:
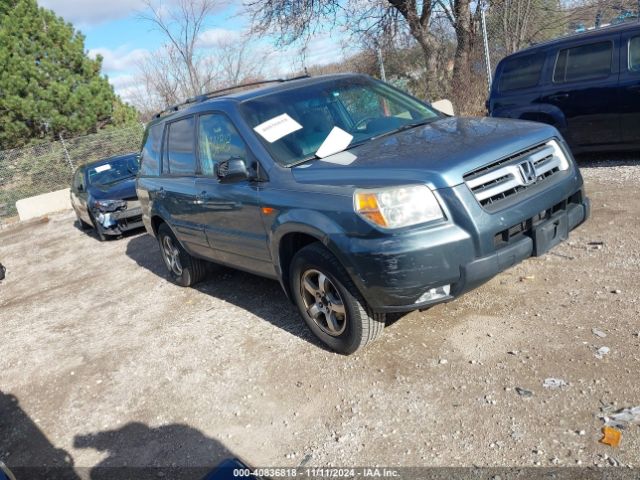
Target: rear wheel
<point>329,302</point>
<point>184,269</point>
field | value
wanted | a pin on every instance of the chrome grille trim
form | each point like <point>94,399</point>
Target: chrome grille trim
<point>509,176</point>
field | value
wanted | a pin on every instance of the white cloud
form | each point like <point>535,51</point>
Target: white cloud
<point>120,60</point>
<point>92,12</point>
<point>211,38</point>
<point>126,86</point>
<point>123,81</point>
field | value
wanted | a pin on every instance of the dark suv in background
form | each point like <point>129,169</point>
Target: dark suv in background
<point>587,85</point>
<point>358,198</point>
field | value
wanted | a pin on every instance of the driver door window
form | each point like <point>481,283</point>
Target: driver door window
<point>218,140</point>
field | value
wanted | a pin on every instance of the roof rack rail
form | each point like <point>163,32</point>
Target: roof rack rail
<point>217,93</point>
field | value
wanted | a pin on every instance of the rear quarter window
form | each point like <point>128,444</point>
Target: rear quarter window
<point>521,72</point>
<point>180,153</point>
<point>150,157</point>
<point>585,62</point>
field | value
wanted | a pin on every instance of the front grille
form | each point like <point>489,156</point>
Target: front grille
<point>126,223</point>
<point>493,183</point>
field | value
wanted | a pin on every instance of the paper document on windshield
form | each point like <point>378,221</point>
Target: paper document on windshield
<point>278,127</point>
<point>102,168</point>
<point>336,141</point>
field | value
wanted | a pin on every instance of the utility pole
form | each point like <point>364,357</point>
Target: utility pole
<point>485,40</point>
<point>383,75</point>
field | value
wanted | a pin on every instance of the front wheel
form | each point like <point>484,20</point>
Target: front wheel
<point>184,269</point>
<point>330,303</point>
<point>82,225</point>
<point>98,228</point>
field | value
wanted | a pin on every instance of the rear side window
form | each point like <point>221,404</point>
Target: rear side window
<point>218,140</point>
<point>585,62</point>
<point>521,72</point>
<point>150,157</point>
<point>180,147</point>
<point>634,54</point>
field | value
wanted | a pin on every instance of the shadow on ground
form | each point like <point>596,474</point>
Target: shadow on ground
<point>25,449</point>
<point>142,452</point>
<point>135,450</point>
<point>90,231</point>
<point>260,296</point>
<point>613,159</point>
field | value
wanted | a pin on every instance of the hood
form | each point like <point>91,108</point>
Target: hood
<point>115,191</point>
<point>438,154</point>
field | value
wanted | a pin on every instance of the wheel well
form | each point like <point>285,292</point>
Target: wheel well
<point>539,117</point>
<point>290,244</point>
<point>156,221</point>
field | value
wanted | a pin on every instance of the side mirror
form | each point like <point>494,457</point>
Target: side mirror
<point>445,106</point>
<point>80,188</point>
<point>232,170</point>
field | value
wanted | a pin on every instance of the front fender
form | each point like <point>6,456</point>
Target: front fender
<point>308,222</point>
<point>314,224</point>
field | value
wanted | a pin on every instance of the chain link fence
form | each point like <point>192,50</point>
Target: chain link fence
<point>43,168</point>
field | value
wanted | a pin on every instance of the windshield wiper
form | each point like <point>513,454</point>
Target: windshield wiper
<point>402,128</point>
<point>304,160</point>
<point>316,157</point>
<point>116,180</point>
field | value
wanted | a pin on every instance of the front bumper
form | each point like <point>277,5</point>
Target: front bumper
<point>116,223</point>
<point>394,273</point>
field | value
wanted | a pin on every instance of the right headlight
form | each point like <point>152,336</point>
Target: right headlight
<point>397,207</point>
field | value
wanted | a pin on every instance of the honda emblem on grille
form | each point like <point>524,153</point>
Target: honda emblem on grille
<point>528,172</point>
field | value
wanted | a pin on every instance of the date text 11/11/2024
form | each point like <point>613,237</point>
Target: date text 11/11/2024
<point>373,472</point>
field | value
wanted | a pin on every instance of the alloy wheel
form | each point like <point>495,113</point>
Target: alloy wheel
<point>323,302</point>
<point>171,255</point>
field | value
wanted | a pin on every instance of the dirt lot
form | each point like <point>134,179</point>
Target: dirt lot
<point>104,362</point>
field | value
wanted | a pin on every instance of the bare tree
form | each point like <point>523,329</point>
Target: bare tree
<point>182,26</point>
<point>237,61</point>
<point>188,64</point>
<point>297,20</point>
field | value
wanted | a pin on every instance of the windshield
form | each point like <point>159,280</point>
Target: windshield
<point>113,171</point>
<point>295,124</point>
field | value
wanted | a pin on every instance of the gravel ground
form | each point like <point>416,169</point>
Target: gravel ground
<point>105,363</point>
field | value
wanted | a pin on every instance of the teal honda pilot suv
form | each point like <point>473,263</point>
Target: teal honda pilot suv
<point>360,199</point>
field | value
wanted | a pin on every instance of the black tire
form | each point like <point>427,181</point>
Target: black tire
<point>191,270</point>
<point>82,225</point>
<point>351,331</point>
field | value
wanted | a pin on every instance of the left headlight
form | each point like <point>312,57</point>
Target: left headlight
<point>397,207</point>
<point>110,205</point>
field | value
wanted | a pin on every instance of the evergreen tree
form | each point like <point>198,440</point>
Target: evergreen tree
<point>48,85</point>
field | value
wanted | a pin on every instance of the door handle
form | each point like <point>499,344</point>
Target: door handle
<point>635,88</point>
<point>559,96</point>
<point>161,193</point>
